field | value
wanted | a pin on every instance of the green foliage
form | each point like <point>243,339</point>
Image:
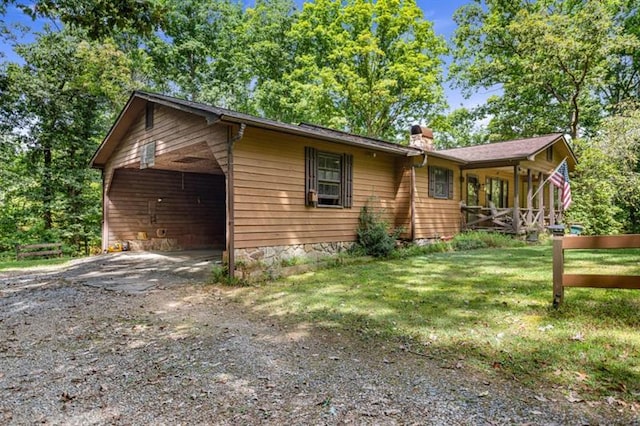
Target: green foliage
<point>459,128</point>
<point>373,236</point>
<point>220,275</point>
<point>466,243</point>
<point>368,67</point>
<point>607,180</point>
<point>54,109</point>
<point>8,261</point>
<point>262,42</point>
<point>99,18</point>
<point>549,58</point>
<point>411,250</point>
<point>477,239</point>
<point>195,56</point>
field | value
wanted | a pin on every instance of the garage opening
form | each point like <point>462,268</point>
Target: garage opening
<point>166,210</point>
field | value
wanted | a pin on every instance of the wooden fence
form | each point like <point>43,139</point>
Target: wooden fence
<point>562,280</point>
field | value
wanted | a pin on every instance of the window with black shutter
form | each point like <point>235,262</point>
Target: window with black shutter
<point>440,182</point>
<point>328,179</point>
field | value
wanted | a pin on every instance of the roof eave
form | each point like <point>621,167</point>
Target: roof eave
<point>504,162</point>
<point>398,150</point>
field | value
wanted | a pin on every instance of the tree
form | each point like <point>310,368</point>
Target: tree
<point>623,77</point>
<point>195,54</point>
<point>55,108</point>
<point>548,56</point>
<point>607,179</point>
<point>99,19</point>
<point>459,128</point>
<point>367,67</point>
<point>266,50</point>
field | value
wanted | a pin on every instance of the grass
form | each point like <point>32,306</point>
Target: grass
<point>7,263</point>
<point>490,308</point>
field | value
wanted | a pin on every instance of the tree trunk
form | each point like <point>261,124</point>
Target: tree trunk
<point>47,188</point>
<point>575,114</point>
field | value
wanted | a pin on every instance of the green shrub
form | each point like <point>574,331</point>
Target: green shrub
<point>477,240</point>
<point>411,250</point>
<point>373,233</point>
<point>220,275</point>
<point>461,244</point>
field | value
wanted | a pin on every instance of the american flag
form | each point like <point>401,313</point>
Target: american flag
<point>560,178</point>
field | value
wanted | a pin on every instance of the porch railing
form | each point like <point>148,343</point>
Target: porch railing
<point>501,219</point>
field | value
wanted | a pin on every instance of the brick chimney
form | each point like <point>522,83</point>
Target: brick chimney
<point>421,138</point>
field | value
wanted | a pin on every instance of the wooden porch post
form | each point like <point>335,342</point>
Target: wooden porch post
<point>529,198</point>
<point>516,198</point>
<point>552,211</point>
<point>558,271</point>
<point>540,200</point>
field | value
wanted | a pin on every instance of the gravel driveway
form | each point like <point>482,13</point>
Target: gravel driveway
<point>172,352</point>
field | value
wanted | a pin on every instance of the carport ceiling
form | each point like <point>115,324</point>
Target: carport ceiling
<point>196,158</point>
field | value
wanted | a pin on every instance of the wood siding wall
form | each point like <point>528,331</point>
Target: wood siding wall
<point>269,177</point>
<point>436,217</point>
<point>173,130</point>
<point>191,210</point>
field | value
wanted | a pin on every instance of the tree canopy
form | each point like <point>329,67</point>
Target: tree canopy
<point>367,67</point>
<point>551,58</point>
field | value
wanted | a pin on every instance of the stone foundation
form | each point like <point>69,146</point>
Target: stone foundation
<point>266,258</point>
<point>277,254</point>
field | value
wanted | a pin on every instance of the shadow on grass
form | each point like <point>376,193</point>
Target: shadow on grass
<point>491,307</point>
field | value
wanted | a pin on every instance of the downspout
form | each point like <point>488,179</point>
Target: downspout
<point>230,199</point>
<point>413,193</point>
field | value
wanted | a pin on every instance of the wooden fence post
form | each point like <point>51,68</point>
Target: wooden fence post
<point>558,271</point>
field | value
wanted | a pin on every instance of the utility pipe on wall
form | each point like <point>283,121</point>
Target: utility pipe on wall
<point>413,193</point>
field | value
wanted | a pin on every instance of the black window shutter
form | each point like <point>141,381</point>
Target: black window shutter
<point>450,181</point>
<point>432,182</point>
<point>310,170</point>
<point>347,180</point>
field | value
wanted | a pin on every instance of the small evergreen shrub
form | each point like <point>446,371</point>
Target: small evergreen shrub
<point>373,233</point>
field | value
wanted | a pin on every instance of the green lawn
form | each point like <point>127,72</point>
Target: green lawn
<point>8,263</point>
<point>489,309</point>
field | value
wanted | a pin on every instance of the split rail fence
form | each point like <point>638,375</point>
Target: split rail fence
<point>562,280</point>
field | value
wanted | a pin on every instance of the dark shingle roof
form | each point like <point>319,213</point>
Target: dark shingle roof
<point>518,149</point>
<point>303,129</point>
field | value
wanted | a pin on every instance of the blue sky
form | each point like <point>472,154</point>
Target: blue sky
<point>440,12</point>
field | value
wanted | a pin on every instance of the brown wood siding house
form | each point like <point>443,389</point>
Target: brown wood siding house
<point>184,175</point>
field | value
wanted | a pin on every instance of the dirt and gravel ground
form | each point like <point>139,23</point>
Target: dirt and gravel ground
<point>125,339</point>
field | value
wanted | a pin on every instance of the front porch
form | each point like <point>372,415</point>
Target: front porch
<point>515,199</point>
<point>504,186</point>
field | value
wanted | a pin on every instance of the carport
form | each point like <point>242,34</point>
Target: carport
<point>164,187</point>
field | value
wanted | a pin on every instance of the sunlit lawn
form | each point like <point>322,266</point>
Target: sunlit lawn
<point>489,308</point>
<point>7,263</point>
